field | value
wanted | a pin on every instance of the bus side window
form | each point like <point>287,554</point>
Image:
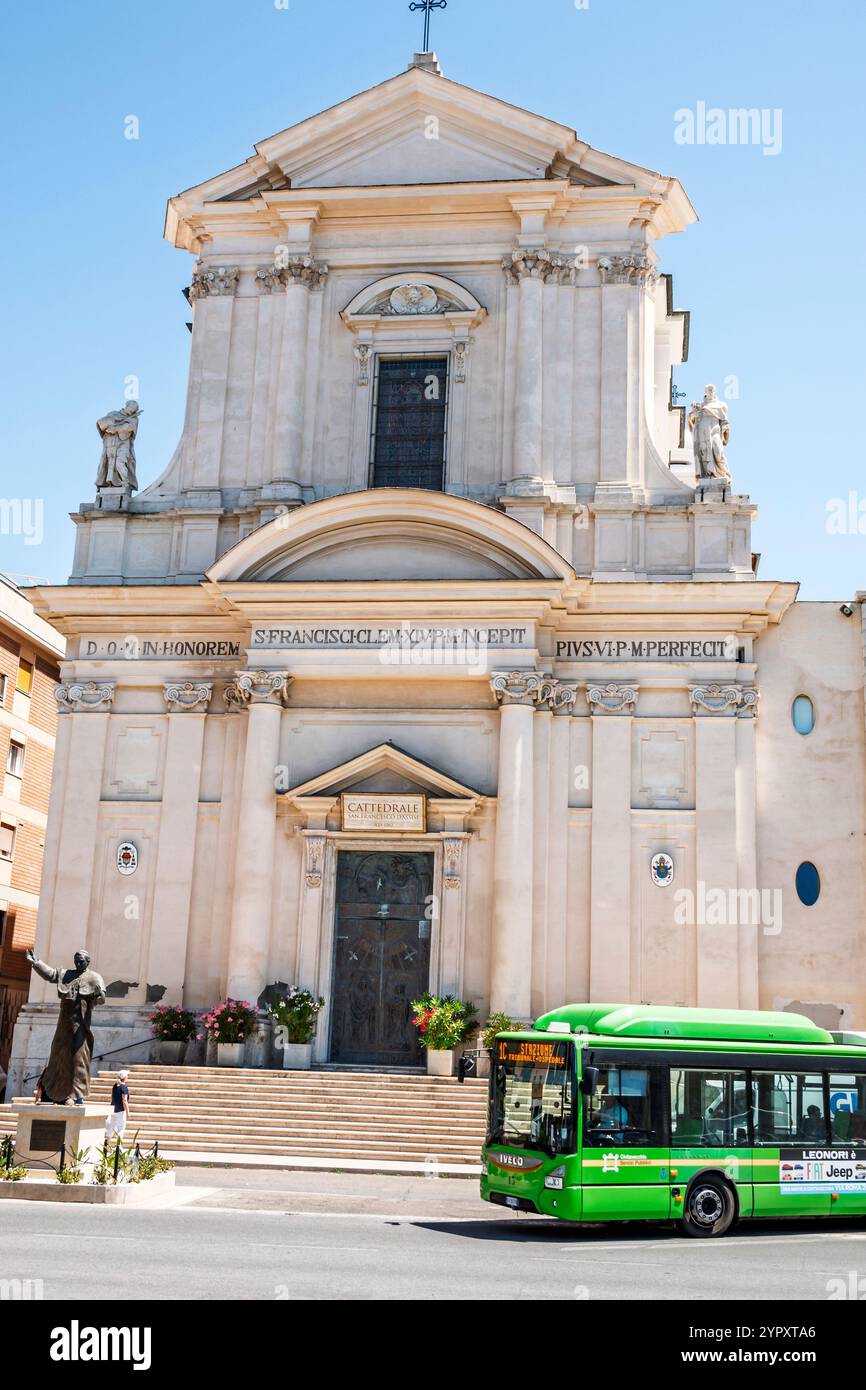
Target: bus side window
<point>708,1108</point>
<point>848,1108</point>
<point>789,1108</point>
<point>626,1108</point>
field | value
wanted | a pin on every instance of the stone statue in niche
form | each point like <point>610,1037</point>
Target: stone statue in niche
<point>711,431</point>
<point>65,1079</point>
<point>117,431</point>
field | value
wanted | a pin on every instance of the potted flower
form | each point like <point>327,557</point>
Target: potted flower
<point>496,1023</point>
<point>443,1026</point>
<point>230,1024</point>
<point>295,1016</point>
<point>174,1027</point>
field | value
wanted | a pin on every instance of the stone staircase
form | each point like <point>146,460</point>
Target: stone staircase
<point>363,1119</point>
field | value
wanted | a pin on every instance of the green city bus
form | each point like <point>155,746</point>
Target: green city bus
<point>624,1112</point>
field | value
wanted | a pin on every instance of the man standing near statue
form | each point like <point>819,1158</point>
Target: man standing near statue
<point>65,1080</point>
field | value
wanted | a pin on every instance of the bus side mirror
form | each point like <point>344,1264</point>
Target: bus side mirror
<point>589,1081</point>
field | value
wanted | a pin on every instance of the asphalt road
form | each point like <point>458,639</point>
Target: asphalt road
<point>275,1236</point>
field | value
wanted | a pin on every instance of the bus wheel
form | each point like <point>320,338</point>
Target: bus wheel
<point>710,1208</point>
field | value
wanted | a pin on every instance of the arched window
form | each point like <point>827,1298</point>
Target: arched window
<point>808,884</point>
<point>803,714</point>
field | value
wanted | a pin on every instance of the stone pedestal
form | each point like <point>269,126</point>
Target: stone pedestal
<point>46,1129</point>
<point>113,499</point>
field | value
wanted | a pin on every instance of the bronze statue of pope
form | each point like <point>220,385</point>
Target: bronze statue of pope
<point>66,1077</point>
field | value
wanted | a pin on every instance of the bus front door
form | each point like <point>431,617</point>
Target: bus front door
<point>625,1161</point>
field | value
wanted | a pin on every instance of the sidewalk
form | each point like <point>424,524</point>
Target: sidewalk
<point>186,1158</point>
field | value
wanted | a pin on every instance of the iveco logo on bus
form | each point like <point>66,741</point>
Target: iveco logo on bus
<point>503,1160</point>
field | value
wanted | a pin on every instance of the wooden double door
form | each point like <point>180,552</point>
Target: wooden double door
<point>383,919</point>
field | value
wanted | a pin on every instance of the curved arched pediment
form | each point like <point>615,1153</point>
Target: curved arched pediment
<point>390,534</point>
<point>411,294</point>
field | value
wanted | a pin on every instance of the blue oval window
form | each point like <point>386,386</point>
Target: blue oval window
<point>803,714</point>
<point>808,884</point>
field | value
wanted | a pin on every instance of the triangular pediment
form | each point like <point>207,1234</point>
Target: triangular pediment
<point>384,768</point>
<point>419,128</point>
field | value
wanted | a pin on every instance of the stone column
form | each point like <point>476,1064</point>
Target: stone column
<point>187,704</point>
<point>624,277</point>
<point>85,706</point>
<point>263,694</point>
<point>612,708</point>
<point>528,269</point>
<point>300,274</point>
<point>560,699</point>
<point>212,295</point>
<point>716,866</point>
<point>511,948</point>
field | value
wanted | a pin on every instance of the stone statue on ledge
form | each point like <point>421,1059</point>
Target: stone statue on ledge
<point>117,431</point>
<point>66,1078</point>
<point>708,422</point>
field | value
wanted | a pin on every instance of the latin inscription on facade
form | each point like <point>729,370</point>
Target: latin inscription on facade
<point>350,635</point>
<point>134,647</point>
<point>646,649</point>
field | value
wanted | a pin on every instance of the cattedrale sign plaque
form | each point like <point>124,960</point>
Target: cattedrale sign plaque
<point>391,812</point>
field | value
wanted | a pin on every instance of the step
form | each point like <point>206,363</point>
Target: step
<point>437,1157</point>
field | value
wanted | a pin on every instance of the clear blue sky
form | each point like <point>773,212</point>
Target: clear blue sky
<point>773,273</point>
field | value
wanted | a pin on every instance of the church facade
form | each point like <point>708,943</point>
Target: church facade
<point>438,655</point>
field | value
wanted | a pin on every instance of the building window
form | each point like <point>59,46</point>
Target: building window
<point>15,759</point>
<point>789,1108</point>
<point>4,918</point>
<point>25,677</point>
<point>803,714</point>
<point>410,400</point>
<point>7,840</point>
<point>808,884</point>
<point>2,690</point>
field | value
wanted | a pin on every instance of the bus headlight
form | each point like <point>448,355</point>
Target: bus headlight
<point>555,1178</point>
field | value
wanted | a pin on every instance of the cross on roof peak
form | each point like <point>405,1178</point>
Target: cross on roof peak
<point>428,6</point>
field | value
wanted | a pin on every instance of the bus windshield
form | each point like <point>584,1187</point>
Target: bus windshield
<point>532,1095</point>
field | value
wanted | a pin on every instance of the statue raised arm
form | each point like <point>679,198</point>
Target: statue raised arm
<point>48,972</point>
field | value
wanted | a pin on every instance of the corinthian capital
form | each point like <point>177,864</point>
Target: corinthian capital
<point>292,270</point>
<point>519,687</point>
<point>258,688</point>
<point>80,697</point>
<point>612,698</point>
<point>214,280</point>
<point>629,268</point>
<point>537,263</point>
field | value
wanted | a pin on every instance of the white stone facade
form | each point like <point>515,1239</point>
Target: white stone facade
<point>567,651</point>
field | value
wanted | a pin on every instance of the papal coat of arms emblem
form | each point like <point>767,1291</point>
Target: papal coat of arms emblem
<point>662,869</point>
